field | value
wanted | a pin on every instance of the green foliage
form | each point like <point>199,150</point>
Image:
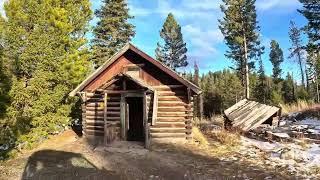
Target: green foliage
<point>262,89</point>
<point>112,31</point>
<point>241,33</point>
<point>276,58</point>
<point>46,55</point>
<point>288,89</point>
<point>311,11</point>
<point>173,52</point>
<point>276,97</point>
<point>221,90</point>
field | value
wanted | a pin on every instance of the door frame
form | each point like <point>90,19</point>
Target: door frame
<point>124,116</point>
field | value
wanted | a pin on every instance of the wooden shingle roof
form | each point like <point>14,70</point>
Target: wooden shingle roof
<point>247,115</point>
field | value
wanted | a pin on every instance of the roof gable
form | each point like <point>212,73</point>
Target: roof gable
<point>146,57</point>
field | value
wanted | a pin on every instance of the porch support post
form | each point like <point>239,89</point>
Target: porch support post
<point>145,120</point>
<point>105,98</point>
<point>123,116</point>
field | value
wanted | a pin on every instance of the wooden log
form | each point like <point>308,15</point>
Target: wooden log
<point>161,118</point>
<point>172,104</point>
<point>94,108</point>
<point>94,132</point>
<point>173,98</point>
<point>167,135</point>
<point>171,93</point>
<point>113,103</point>
<point>169,130</point>
<point>94,113</point>
<point>168,87</point>
<point>174,109</point>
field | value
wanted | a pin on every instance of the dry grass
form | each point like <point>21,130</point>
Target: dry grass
<point>226,138</point>
<point>199,137</point>
<point>296,107</point>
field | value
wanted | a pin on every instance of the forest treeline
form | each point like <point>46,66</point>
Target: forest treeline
<point>45,52</point>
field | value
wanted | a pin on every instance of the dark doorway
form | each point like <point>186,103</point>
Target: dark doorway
<point>135,118</point>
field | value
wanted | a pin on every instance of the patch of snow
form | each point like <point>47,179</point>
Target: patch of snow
<point>311,121</point>
<point>296,158</point>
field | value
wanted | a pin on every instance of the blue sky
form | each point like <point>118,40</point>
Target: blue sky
<point>199,22</point>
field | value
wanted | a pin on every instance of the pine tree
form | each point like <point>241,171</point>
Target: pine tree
<point>198,102</point>
<point>241,32</point>
<point>276,58</point>
<point>112,31</point>
<point>173,52</point>
<point>45,47</point>
<point>262,90</point>
<point>288,89</point>
<point>296,49</point>
<point>311,11</point>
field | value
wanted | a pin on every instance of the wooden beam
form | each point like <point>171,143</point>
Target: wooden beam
<point>154,108</point>
<point>123,117</point>
<point>105,118</point>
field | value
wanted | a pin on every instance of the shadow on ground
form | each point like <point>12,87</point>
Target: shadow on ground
<point>50,164</point>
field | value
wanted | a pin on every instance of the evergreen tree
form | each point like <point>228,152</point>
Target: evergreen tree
<point>276,58</point>
<point>241,32</point>
<point>262,90</point>
<point>112,31</point>
<point>288,89</point>
<point>296,49</point>
<point>311,11</point>
<point>4,74</point>
<point>173,52</point>
<point>45,47</point>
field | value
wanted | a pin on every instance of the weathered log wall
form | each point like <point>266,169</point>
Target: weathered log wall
<point>93,116</point>
<point>174,113</point>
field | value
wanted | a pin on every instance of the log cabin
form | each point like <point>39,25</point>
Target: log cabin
<point>133,97</point>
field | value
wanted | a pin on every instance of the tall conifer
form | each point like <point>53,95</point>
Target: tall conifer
<point>112,31</point>
<point>241,32</point>
<point>276,58</point>
<point>173,52</point>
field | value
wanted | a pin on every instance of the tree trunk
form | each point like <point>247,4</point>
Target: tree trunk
<point>247,82</point>
<point>301,70</point>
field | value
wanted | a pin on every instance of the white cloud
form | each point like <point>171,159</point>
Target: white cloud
<point>203,4</point>
<point>265,5</point>
<point>202,41</point>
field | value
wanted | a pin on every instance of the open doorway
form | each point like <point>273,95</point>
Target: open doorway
<point>135,130</point>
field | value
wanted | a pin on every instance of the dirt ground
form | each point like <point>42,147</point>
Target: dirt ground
<point>68,157</point>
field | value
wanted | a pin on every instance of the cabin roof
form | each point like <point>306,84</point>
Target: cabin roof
<point>247,114</point>
<point>148,58</point>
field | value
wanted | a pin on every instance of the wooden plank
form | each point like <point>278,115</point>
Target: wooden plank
<point>154,107</point>
<point>234,107</point>
<point>105,118</point>
<point>84,117</point>
<point>174,86</point>
<point>167,135</point>
<point>145,120</point>
<point>122,117</point>
<point>174,109</point>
